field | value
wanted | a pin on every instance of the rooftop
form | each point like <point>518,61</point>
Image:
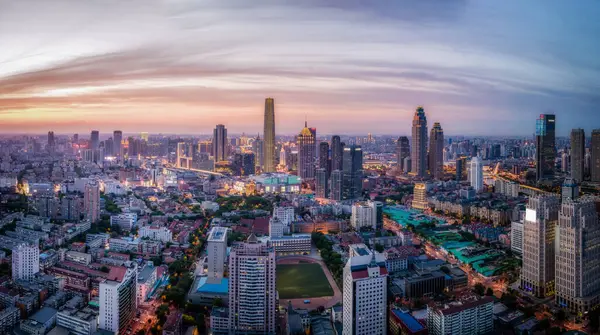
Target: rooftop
<point>44,315</point>
<point>117,273</point>
<point>220,288</point>
<point>217,234</point>
<point>408,320</point>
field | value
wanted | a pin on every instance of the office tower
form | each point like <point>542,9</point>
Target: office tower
<point>336,153</point>
<point>578,255</point>
<point>51,142</point>
<point>469,316</point>
<point>243,164</point>
<point>516,237</point>
<point>337,178</point>
<point>537,274</point>
<point>306,153</point>
<point>25,261</point>
<point>420,196</point>
<point>216,247</point>
<point>577,154</point>
<point>545,146</point>
<point>276,228</point>
<point>476,174</point>
<point>460,168</point>
<point>595,156</point>
<point>181,155</point>
<point>565,161</point>
<point>252,293</point>
<point>365,293</point>
<point>352,172</point>
<point>258,147</point>
<point>220,143</point>
<point>402,151</point>
<point>323,155</point>
<point>94,139</point>
<point>269,136</point>
<point>321,183</point>
<point>377,207</point>
<point>570,189</point>
<point>436,151</point>
<point>144,136</point>
<point>419,143</point>
<point>117,141</point>
<point>76,138</point>
<point>91,201</point>
<point>118,299</point>
<point>407,165</point>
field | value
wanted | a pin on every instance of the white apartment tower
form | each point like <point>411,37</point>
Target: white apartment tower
<point>363,216</point>
<point>476,174</point>
<point>467,317</point>
<point>217,253</point>
<point>25,261</point>
<point>252,293</point>
<point>539,231</point>
<point>365,293</point>
<point>118,298</point>
<point>578,255</point>
<point>285,214</point>
<point>91,201</point>
<point>276,228</point>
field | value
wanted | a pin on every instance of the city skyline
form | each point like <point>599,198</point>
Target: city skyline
<point>347,67</point>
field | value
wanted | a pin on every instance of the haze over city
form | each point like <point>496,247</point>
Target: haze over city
<point>351,67</point>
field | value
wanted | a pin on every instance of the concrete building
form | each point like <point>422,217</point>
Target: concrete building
<point>291,244</point>
<point>570,189</point>
<point>25,261</point>
<point>367,214</point>
<point>306,153</point>
<point>516,237</point>
<point>217,253</point>
<point>252,293</point>
<point>285,214</point>
<point>436,151</point>
<point>156,233</point>
<point>419,143</point>
<point>545,146</point>
<point>476,174</point>
<point>594,165</point>
<point>118,298</point>
<point>577,154</point>
<point>321,183</point>
<point>9,317</point>
<point>352,172</point>
<point>124,220</point>
<point>365,293</point>
<point>578,255</point>
<point>276,228</point>
<point>220,143</point>
<point>402,151</point>
<point>91,201</point>
<point>420,196</point>
<point>146,279</point>
<point>468,317</point>
<point>269,136</point>
<point>539,231</point>
<point>77,318</point>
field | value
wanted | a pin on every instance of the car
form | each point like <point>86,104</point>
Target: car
<point>307,301</point>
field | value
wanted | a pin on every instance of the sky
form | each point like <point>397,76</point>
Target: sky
<point>346,66</point>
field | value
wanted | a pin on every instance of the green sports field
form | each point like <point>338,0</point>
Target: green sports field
<point>304,280</point>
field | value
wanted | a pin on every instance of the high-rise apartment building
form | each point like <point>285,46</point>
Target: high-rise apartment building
<point>25,261</point>
<point>545,146</point>
<point>252,293</point>
<point>578,255</point>
<point>94,140</point>
<point>595,156</point>
<point>337,152</point>
<point>216,247</point>
<point>117,146</point>
<point>306,153</point>
<point>269,136</point>
<point>577,154</point>
<point>436,151</point>
<point>220,143</point>
<point>419,143</point>
<point>368,214</point>
<point>539,231</point>
<point>352,172</point>
<point>365,293</point>
<point>476,174</point>
<point>91,201</point>
<point>402,151</point>
<point>463,317</point>
<point>118,299</point>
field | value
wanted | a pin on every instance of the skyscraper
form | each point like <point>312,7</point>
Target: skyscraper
<point>539,231</point>
<point>252,293</point>
<point>244,164</point>
<point>220,143</point>
<point>570,189</point>
<point>476,174</point>
<point>25,261</point>
<point>577,154</point>
<point>216,246</point>
<point>578,255</point>
<point>258,147</point>
<point>365,293</point>
<point>117,139</point>
<point>595,156</point>
<point>118,303</point>
<point>336,153</point>
<point>306,153</point>
<point>402,151</point>
<point>91,201</point>
<point>436,151</point>
<point>545,146</point>
<point>352,172</point>
<point>94,139</point>
<point>337,178</point>
<point>321,183</point>
<point>419,143</point>
<point>269,136</point>
<point>324,155</point>
<point>51,142</point>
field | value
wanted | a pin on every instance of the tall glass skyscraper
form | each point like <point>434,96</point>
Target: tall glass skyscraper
<point>306,153</point>
<point>336,153</point>
<point>94,139</point>
<point>117,138</point>
<point>546,146</point>
<point>269,136</point>
<point>352,172</point>
<point>324,155</point>
<point>220,143</point>
<point>436,151</point>
<point>577,154</point>
<point>419,143</point>
<point>595,156</point>
<point>402,151</point>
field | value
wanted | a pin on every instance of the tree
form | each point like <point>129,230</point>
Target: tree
<point>479,288</point>
<point>544,324</point>
<point>379,248</point>
<point>489,292</point>
<point>218,302</point>
<point>560,315</point>
<point>105,269</point>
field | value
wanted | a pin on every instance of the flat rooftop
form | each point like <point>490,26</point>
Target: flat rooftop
<point>408,320</point>
<point>220,288</point>
<point>217,234</point>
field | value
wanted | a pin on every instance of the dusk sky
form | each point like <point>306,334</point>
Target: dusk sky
<point>348,66</point>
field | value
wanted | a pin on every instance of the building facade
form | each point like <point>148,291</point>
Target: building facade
<point>220,143</point>
<point>545,146</point>
<point>577,154</point>
<point>269,136</point>
<point>402,151</point>
<point>352,172</point>
<point>419,143</point>
<point>436,151</point>
<point>462,318</point>
<point>118,298</point>
<point>306,153</point>
<point>25,261</point>
<point>476,174</point>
